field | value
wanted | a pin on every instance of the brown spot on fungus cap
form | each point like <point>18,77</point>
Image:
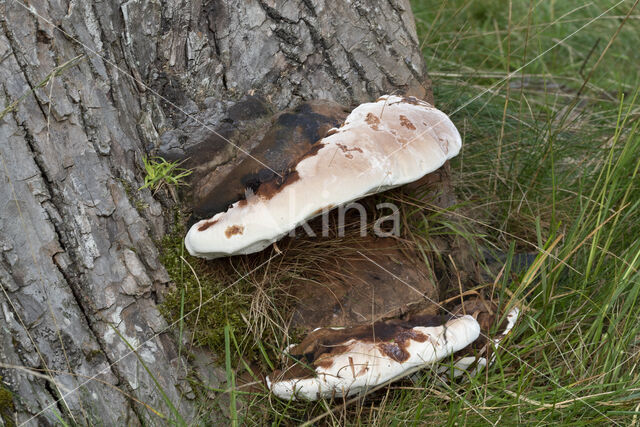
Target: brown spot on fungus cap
<point>346,150</point>
<point>233,230</point>
<point>269,189</point>
<point>206,224</point>
<point>373,121</point>
<point>404,121</point>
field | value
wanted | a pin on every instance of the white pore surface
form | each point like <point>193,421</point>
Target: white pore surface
<point>364,366</point>
<point>382,144</point>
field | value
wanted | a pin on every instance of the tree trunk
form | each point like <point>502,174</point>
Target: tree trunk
<point>90,87</point>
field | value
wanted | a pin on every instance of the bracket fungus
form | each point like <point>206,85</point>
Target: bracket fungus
<point>342,362</point>
<point>381,145</point>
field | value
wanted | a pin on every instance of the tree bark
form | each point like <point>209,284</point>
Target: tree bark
<point>79,268</point>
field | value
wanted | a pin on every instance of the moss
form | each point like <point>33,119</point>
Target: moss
<point>224,305</point>
<point>91,355</point>
<point>135,201</point>
<point>127,187</point>
<point>7,407</point>
<point>140,206</point>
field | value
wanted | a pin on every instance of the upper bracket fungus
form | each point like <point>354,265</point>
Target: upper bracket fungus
<point>381,145</point>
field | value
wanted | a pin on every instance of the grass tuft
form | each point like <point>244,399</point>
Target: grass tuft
<point>161,173</point>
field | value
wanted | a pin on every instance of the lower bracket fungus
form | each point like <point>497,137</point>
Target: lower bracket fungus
<point>343,362</point>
